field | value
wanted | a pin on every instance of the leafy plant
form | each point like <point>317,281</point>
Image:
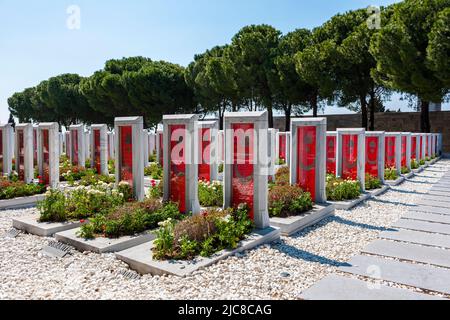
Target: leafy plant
<point>220,168</point>
<point>286,200</point>
<point>339,189</point>
<point>372,182</point>
<point>280,162</point>
<point>11,188</point>
<point>414,164</point>
<point>130,219</point>
<point>154,170</point>
<point>111,166</point>
<point>282,176</point>
<point>202,234</point>
<point>422,162</point>
<point>405,170</point>
<point>210,194</point>
<point>156,190</point>
<point>390,174</point>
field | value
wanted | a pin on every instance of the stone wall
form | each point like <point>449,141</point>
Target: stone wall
<point>390,121</point>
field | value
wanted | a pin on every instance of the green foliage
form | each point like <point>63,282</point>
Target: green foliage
<point>129,219</point>
<point>286,201</point>
<point>154,170</point>
<point>390,174</point>
<point>422,162</point>
<point>282,176</point>
<point>210,194</point>
<point>405,170</point>
<point>156,190</point>
<point>414,164</point>
<point>111,166</point>
<point>372,182</point>
<point>11,188</point>
<point>220,168</point>
<point>339,189</point>
<point>202,234</point>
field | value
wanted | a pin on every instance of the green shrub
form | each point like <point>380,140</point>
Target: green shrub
<point>220,168</point>
<point>372,182</point>
<point>390,174</point>
<point>282,176</point>
<point>129,219</point>
<point>202,234</point>
<point>152,157</point>
<point>286,201</point>
<point>154,170</point>
<point>92,178</point>
<point>414,164</point>
<point>11,188</point>
<point>111,166</point>
<point>427,159</point>
<point>280,162</point>
<point>156,190</point>
<point>210,194</point>
<point>339,189</point>
<point>422,162</point>
<point>405,170</point>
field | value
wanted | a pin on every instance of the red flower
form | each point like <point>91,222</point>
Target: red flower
<point>82,221</point>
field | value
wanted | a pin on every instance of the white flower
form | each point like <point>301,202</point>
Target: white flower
<point>123,183</point>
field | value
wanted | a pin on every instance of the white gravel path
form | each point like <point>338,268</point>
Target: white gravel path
<point>259,274</point>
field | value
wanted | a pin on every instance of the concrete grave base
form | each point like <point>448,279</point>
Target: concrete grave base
<point>290,225</point>
<point>102,245</point>
<point>418,170</point>
<point>396,182</point>
<point>30,224</point>
<point>408,175</point>
<point>20,203</point>
<point>348,204</point>
<point>379,191</point>
<point>140,258</point>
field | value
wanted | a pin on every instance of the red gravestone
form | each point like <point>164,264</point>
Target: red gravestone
<point>372,147</point>
<point>21,148</point>
<point>126,154</point>
<point>177,134</point>
<point>350,156</point>
<point>1,152</point>
<point>242,178</point>
<point>46,156</point>
<point>282,147</point>
<point>204,168</point>
<point>35,153</point>
<point>161,149</point>
<point>96,155</point>
<point>74,138</point>
<point>421,147</point>
<point>414,147</point>
<point>306,157</point>
<point>390,152</point>
<point>331,154</point>
<point>404,142</point>
<point>427,142</point>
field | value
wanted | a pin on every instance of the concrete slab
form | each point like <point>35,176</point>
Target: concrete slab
<point>336,287</point>
<point>396,182</point>
<point>431,197</point>
<point>425,216</point>
<point>408,175</point>
<point>439,193</point>
<point>411,252</point>
<point>414,275</point>
<point>433,203</point>
<point>418,170</point>
<point>422,226</point>
<point>291,225</point>
<point>140,258</point>
<point>101,244</point>
<point>422,208</point>
<point>349,204</point>
<point>379,191</point>
<point>418,237</point>
<point>30,224</point>
<point>20,203</point>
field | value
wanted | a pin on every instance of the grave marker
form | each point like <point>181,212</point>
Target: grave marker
<point>111,145</point>
<point>308,156</point>
<point>208,165</point>
<point>375,154</point>
<point>415,146</point>
<point>246,164</point>
<point>283,145</point>
<point>406,150</point>
<point>180,161</point>
<point>24,152</point>
<point>272,152</point>
<point>393,146</point>
<point>48,153</point>
<point>129,155</point>
<point>145,147</point>
<point>351,155</point>
<point>6,132</point>
<point>159,147</point>
<point>99,152</point>
<point>77,140</point>
<point>331,152</point>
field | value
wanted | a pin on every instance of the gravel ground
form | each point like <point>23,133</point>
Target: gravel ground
<point>281,270</point>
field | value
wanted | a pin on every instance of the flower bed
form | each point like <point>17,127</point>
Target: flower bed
<point>154,170</point>
<point>210,194</point>
<point>129,219</point>
<point>82,202</point>
<point>339,189</point>
<point>391,174</point>
<point>414,164</point>
<point>287,201</point>
<point>11,188</point>
<point>202,235</point>
<point>405,170</point>
<point>372,182</point>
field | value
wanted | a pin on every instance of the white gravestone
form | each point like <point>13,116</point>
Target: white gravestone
<point>6,132</point>
<point>99,148</point>
<point>24,152</point>
<point>78,145</point>
<point>208,168</point>
<point>48,153</point>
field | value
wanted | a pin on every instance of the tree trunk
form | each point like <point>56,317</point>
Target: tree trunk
<point>314,105</point>
<point>287,117</point>
<point>425,125</point>
<point>372,110</point>
<point>363,103</point>
<point>270,110</point>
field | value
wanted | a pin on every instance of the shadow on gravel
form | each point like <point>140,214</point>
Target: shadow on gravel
<point>361,225</point>
<point>409,192</point>
<point>299,254</point>
<point>423,182</point>
<point>394,202</point>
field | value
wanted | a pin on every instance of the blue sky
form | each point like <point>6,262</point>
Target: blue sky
<point>35,42</point>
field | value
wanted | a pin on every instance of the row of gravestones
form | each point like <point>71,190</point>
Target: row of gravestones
<point>187,147</point>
